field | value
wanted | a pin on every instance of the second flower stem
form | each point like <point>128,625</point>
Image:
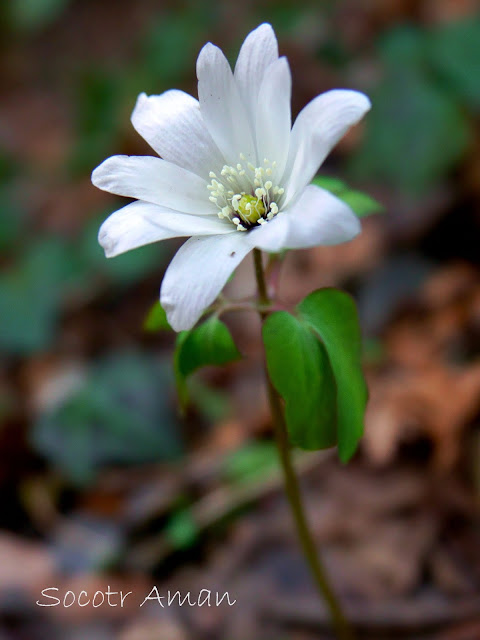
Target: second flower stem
<point>322,583</point>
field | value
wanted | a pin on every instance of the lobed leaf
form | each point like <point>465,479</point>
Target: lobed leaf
<point>299,369</point>
<point>209,344</point>
<point>333,316</point>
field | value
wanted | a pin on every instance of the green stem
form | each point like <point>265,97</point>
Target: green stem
<point>261,284</point>
<point>319,574</point>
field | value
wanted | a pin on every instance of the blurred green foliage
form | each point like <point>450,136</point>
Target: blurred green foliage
<point>417,133</point>
<point>421,121</point>
<point>29,15</point>
<point>361,203</point>
<point>117,417</point>
<point>13,214</point>
<point>251,462</point>
<point>121,271</point>
<point>30,295</point>
<point>181,530</point>
<point>50,270</point>
<point>454,53</point>
<point>98,99</point>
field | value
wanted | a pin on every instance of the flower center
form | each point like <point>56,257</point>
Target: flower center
<point>245,194</point>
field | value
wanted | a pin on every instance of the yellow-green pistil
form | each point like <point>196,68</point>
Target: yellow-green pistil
<point>250,209</point>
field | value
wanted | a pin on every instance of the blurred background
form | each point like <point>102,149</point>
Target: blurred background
<point>102,481</point>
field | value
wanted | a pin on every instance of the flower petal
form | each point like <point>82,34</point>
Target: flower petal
<point>141,223</point>
<point>319,218</point>
<point>197,274</point>
<point>274,118</point>
<point>271,236</point>
<point>259,50</point>
<point>221,106</point>
<point>172,125</point>
<point>154,180</point>
<point>317,129</point>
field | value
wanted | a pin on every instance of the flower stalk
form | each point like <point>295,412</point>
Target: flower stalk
<point>319,574</point>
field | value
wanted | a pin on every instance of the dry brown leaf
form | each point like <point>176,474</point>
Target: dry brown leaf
<point>435,403</point>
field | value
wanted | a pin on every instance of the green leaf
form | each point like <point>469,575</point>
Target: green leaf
<point>333,316</point>
<point>299,369</point>
<point>209,344</point>
<point>361,203</point>
<point>156,319</point>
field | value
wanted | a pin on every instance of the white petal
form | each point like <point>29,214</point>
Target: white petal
<point>141,223</point>
<point>271,236</point>
<point>258,51</point>
<point>154,180</point>
<point>221,106</point>
<point>172,125</point>
<point>319,218</point>
<point>274,116</point>
<point>317,129</point>
<point>197,274</point>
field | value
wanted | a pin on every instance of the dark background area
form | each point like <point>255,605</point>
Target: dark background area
<point>102,481</point>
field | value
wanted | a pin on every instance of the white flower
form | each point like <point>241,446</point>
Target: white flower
<point>234,174</point>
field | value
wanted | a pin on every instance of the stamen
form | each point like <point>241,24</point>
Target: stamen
<point>243,195</point>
